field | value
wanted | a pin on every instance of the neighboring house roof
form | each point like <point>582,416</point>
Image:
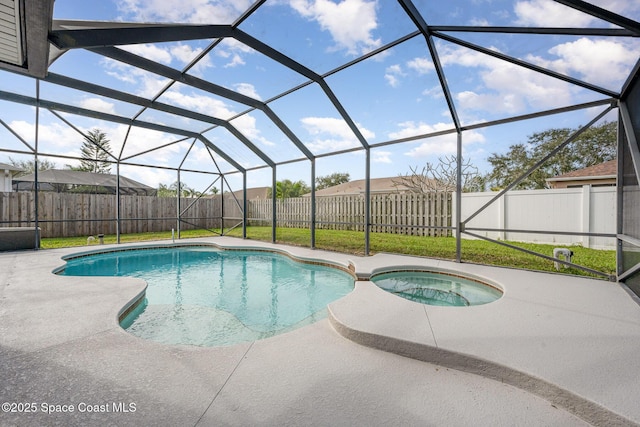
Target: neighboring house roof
<point>8,167</point>
<point>377,185</point>
<point>606,170</point>
<point>50,177</point>
<point>252,193</point>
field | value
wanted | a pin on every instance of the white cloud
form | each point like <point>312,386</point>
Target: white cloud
<point>434,92</point>
<point>51,135</point>
<point>146,84</point>
<point>140,140</point>
<point>331,134</point>
<point>479,22</point>
<point>199,155</point>
<point>548,13</point>
<point>392,74</point>
<point>150,52</point>
<point>186,11</point>
<point>410,128</point>
<point>421,65</point>
<point>235,61</point>
<point>438,145</point>
<point>381,157</point>
<point>233,52</point>
<point>481,101</point>
<point>246,124</point>
<point>247,89</point>
<point>97,104</point>
<point>392,80</point>
<point>505,86</point>
<point>350,22</point>
<point>613,64</point>
<point>180,52</point>
<point>184,53</point>
<point>200,103</point>
<point>149,176</point>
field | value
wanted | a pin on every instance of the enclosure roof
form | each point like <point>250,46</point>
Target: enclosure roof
<point>55,176</point>
<point>233,86</point>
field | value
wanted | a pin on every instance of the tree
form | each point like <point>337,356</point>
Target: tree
<point>171,190</point>
<point>29,166</point>
<point>94,152</point>
<point>287,188</point>
<point>165,191</point>
<point>442,176</point>
<point>595,145</point>
<point>335,178</point>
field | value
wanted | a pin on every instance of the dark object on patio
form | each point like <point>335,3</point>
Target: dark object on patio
<point>16,238</point>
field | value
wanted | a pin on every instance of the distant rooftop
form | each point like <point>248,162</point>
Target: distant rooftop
<point>606,169</point>
<point>52,179</point>
<point>8,167</point>
<point>378,185</point>
<point>602,174</point>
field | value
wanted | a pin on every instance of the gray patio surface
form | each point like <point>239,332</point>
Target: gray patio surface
<point>554,350</point>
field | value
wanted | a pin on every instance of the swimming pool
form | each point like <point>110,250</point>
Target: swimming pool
<point>205,296</point>
<point>436,288</point>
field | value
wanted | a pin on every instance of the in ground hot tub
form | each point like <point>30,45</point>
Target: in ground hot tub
<point>437,288</point>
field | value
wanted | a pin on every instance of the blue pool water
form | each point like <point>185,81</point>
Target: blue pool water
<point>209,297</point>
<point>436,289</point>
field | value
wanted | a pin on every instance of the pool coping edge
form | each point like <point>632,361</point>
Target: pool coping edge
<point>579,406</point>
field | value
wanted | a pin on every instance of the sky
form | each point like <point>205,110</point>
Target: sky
<point>392,95</point>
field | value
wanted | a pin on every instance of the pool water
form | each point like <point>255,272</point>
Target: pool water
<point>209,297</point>
<point>436,288</point>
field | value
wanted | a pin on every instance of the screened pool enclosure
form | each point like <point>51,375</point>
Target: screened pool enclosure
<point>235,95</point>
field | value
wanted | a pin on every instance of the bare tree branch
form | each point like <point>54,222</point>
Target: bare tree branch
<point>440,177</point>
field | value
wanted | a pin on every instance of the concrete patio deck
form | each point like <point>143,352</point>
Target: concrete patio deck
<point>554,350</point>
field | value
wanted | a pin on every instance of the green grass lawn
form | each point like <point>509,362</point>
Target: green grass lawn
<point>477,251</point>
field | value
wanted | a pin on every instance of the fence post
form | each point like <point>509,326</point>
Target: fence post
<point>586,214</point>
<point>502,216</point>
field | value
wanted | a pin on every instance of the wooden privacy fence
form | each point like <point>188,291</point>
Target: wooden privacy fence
<point>410,213</point>
<point>71,214</point>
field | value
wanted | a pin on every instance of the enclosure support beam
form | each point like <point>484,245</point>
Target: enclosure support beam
<point>222,207</point>
<point>313,203</point>
<point>634,151</point>
<point>367,202</point>
<point>459,225</point>
<point>118,211</point>
<point>244,205</point>
<point>421,24</point>
<point>35,198</point>
<point>273,203</point>
<point>178,191</point>
<point>619,194</point>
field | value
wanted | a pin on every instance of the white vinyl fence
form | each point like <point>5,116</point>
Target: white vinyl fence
<point>585,209</point>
